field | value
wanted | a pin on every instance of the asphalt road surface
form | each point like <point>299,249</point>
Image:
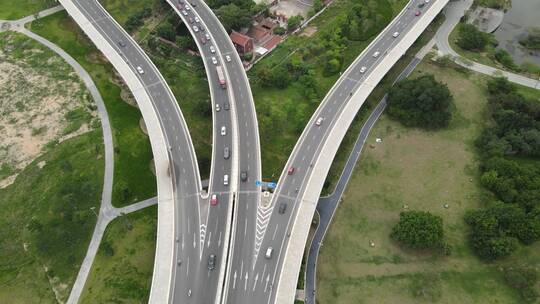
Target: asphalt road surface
<point>205,286</point>
<point>326,207</point>
<point>256,285</point>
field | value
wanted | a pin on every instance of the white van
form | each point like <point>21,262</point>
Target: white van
<point>268,254</point>
<point>226,180</point>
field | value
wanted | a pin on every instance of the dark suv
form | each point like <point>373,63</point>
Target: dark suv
<point>282,208</point>
<point>212,262</point>
<point>243,176</point>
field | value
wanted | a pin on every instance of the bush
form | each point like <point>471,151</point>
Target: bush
<point>137,19</point>
<point>470,38</point>
<point>523,280</point>
<point>421,102</point>
<point>248,56</point>
<point>505,59</point>
<point>278,30</point>
<point>166,31</point>
<point>294,22</point>
<point>419,230</point>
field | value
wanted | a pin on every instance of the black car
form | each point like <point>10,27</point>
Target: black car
<point>226,106</point>
<point>212,262</point>
<point>282,208</point>
<point>243,176</point>
<point>121,43</point>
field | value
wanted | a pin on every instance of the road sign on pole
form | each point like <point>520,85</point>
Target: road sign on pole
<point>271,185</point>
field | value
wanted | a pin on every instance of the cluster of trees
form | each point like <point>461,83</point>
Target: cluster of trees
<point>524,280</point>
<point>498,230</point>
<point>363,21</point>
<point>421,102</point>
<point>137,19</point>
<point>235,14</point>
<point>420,230</point>
<point>470,38</point>
<point>294,22</point>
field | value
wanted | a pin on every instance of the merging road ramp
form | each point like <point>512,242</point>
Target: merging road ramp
<point>274,276</point>
<point>178,178</point>
<point>235,158</point>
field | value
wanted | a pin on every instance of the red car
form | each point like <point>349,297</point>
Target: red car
<point>417,13</point>
<point>213,200</point>
<point>203,41</point>
<point>290,171</point>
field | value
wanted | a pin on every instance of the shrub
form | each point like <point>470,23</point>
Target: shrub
<point>421,102</point>
<point>470,38</point>
<point>419,230</point>
<point>523,280</point>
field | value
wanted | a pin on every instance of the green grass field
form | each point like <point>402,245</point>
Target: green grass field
<point>125,275</point>
<point>45,214</point>
<point>421,171</point>
<point>133,179</point>
<point>12,10</point>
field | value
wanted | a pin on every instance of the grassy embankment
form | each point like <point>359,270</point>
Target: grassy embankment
<point>422,170</point>
<point>133,179</point>
<point>12,10</point>
<point>184,73</point>
<point>122,270</point>
<point>45,214</point>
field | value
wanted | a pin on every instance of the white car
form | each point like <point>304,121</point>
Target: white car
<point>363,69</point>
<point>228,58</point>
<point>184,13</point>
<point>197,19</point>
<point>217,107</point>
<point>140,70</point>
<point>214,60</point>
<point>187,8</point>
<point>207,37</point>
<point>195,29</point>
<point>395,34</point>
<point>223,131</point>
<point>319,121</point>
<point>212,49</point>
<point>376,54</point>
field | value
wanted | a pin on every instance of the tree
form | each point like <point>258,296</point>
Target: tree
<point>280,77</point>
<point>470,38</point>
<point>278,30</point>
<point>419,230</point>
<point>233,17</point>
<point>294,22</point>
<point>166,31</point>
<point>421,102</point>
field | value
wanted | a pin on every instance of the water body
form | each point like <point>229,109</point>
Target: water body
<point>523,15</point>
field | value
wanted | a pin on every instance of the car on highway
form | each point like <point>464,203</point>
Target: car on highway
<point>223,131</point>
<point>140,70</point>
<point>184,13</point>
<point>218,108</point>
<point>121,43</point>
<point>290,171</point>
<point>203,41</point>
<point>243,176</point>
<point>190,20</point>
<point>189,293</point>
<point>228,58</point>
<point>212,49</point>
<point>376,54</point>
<point>421,5</point>
<point>179,262</point>
<point>319,121</point>
<point>226,105</point>
<point>207,37</point>
<point>363,69</point>
<point>282,208</point>
<point>180,6</point>
<point>193,4</point>
<point>195,29</point>
<point>268,253</point>
<point>225,180</point>
<point>201,28</point>
<point>418,13</point>
<point>226,153</point>
<point>188,8</point>
<point>213,200</point>
<point>197,19</point>
<point>212,262</point>
<point>395,34</point>
<point>181,1</point>
<point>214,60</point>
